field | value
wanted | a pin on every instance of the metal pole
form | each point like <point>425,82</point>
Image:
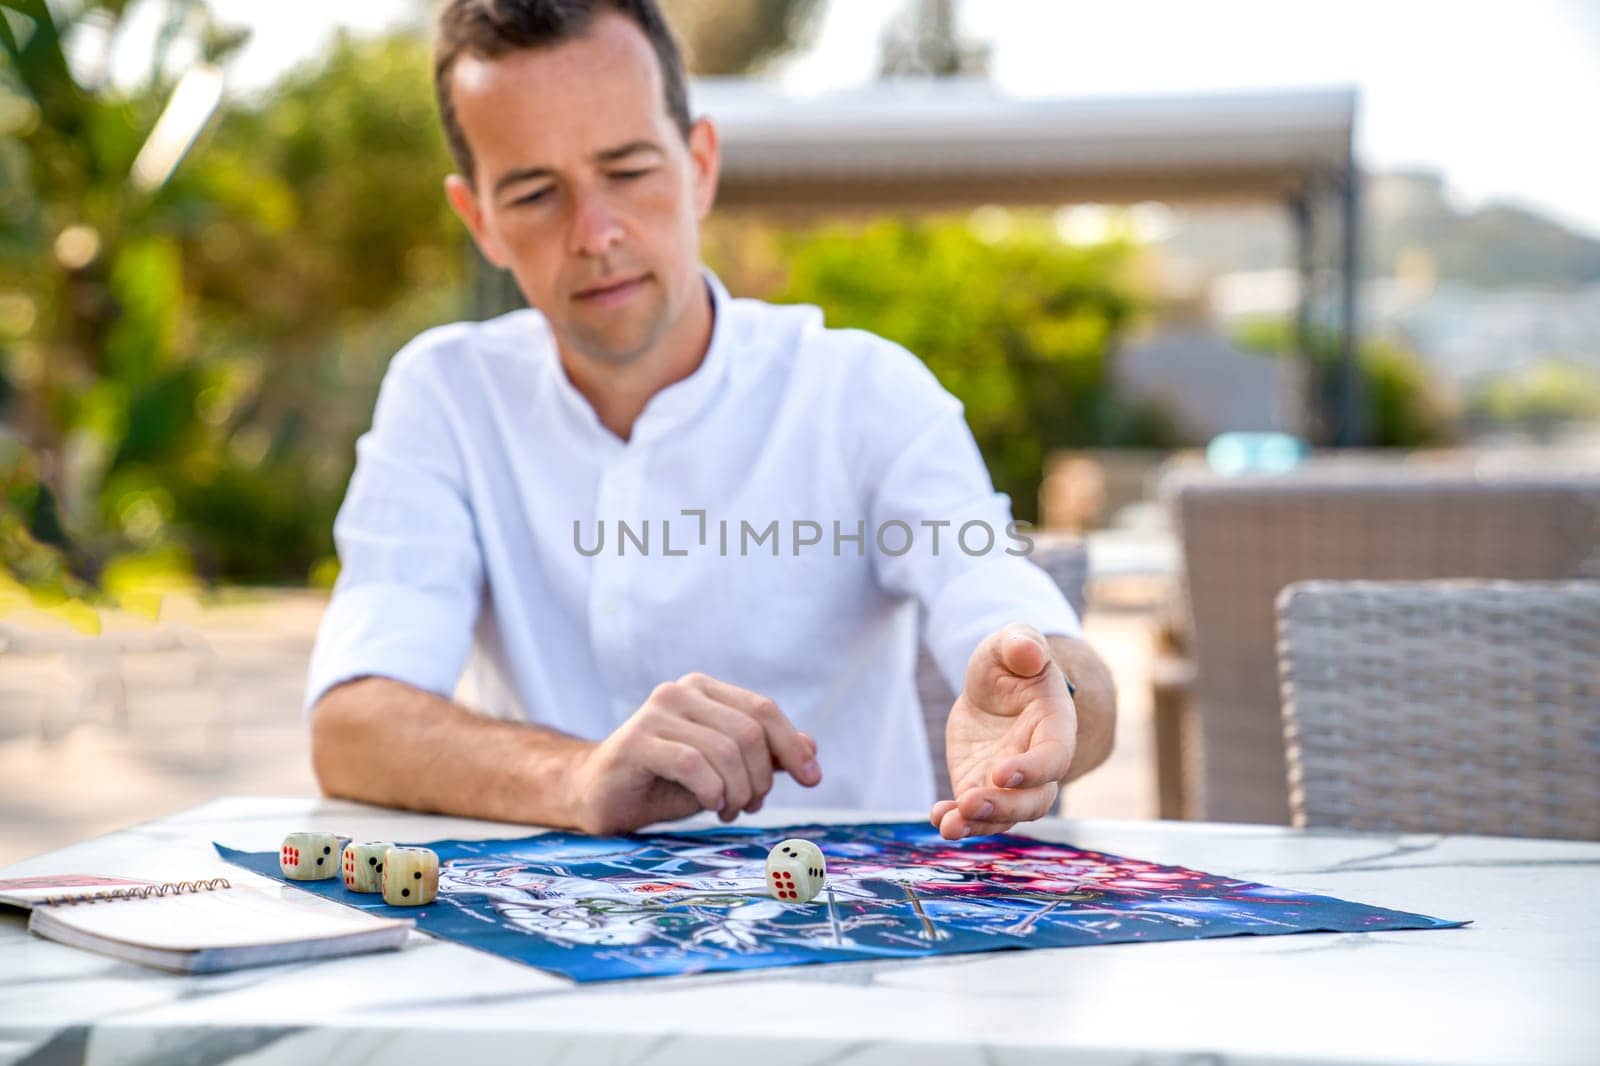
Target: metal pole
<point>1352,432</point>
<point>1307,403</point>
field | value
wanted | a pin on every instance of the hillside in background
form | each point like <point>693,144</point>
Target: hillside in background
<point>1495,245</point>
<point>1478,295</point>
<point>1411,224</point>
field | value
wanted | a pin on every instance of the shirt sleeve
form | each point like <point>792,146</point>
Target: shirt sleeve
<point>411,579</point>
<point>967,562</point>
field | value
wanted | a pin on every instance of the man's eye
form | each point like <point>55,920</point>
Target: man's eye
<point>629,175</point>
<point>532,197</point>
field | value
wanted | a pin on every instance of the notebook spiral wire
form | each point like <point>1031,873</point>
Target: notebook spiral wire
<point>166,888</point>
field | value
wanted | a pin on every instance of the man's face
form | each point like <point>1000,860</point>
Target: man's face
<point>584,188</point>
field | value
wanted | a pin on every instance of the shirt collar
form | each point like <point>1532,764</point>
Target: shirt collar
<point>677,402</point>
<point>682,400</point>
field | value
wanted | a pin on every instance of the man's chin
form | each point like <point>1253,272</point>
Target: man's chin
<point>612,349</point>
<point>620,336</point>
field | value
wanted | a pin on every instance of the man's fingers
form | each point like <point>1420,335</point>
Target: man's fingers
<point>978,805</point>
<point>685,766</point>
<point>722,753</point>
<point>788,744</point>
<point>745,732</point>
<point>989,829</point>
<point>811,745</point>
<point>940,809</point>
<point>1046,760</point>
<point>954,827</point>
<point>981,811</point>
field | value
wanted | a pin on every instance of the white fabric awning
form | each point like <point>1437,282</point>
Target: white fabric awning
<point>956,143</point>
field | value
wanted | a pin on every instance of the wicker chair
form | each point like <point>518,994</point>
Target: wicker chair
<point>1245,539</point>
<point>1066,561</point>
<point>1448,707</point>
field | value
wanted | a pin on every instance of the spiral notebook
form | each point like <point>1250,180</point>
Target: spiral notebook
<point>197,926</point>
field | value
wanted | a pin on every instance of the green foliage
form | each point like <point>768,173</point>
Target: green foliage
<point>1402,405</point>
<point>330,186</point>
<point>185,369</point>
<point>1538,399</point>
<point>1021,328</point>
<point>33,544</point>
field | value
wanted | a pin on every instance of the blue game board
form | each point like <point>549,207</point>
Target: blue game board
<point>599,908</point>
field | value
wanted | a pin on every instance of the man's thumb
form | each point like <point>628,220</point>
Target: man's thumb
<point>1023,653</point>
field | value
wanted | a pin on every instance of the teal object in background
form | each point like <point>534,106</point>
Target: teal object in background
<point>1230,454</point>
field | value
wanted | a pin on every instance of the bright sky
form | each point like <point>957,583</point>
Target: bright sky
<point>1500,95</point>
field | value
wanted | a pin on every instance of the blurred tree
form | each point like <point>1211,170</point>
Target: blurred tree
<point>1404,405</point>
<point>1539,399</point>
<point>727,37</point>
<point>925,40</point>
<point>325,244</point>
<point>92,356</point>
<point>185,363</point>
<point>1020,327</point>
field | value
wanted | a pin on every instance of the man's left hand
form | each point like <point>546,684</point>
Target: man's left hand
<point>1010,739</point>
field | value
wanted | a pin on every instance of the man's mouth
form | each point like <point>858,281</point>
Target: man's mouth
<point>607,294</point>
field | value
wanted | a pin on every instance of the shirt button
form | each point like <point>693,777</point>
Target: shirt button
<point>610,605</point>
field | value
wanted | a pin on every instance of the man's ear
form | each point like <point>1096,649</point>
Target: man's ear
<point>458,190</point>
<point>705,157</point>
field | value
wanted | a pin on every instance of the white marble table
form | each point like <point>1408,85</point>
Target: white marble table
<point>1520,985</point>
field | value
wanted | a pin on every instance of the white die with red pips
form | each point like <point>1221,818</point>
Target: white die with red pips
<point>363,866</point>
<point>795,871</point>
<point>310,856</point>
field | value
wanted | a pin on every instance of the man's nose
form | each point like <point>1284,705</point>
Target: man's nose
<point>595,229</point>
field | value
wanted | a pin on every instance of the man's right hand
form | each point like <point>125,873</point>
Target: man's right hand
<point>696,744</point>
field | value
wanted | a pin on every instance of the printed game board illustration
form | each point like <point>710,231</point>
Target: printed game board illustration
<point>600,908</point>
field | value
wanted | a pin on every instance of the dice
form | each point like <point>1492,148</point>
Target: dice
<point>363,866</point>
<point>795,871</point>
<point>410,877</point>
<point>310,856</point>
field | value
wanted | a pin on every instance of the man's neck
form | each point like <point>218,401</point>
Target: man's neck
<point>619,393</point>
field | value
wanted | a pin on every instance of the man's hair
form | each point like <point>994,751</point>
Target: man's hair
<point>487,29</point>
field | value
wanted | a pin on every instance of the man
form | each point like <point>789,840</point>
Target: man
<point>797,479</point>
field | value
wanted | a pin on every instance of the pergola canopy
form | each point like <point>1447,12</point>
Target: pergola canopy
<point>951,143</point>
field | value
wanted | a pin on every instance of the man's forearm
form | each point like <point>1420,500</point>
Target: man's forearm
<point>1096,700</point>
<point>385,742</point>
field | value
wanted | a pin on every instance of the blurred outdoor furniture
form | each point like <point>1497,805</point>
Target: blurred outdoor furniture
<point>1220,739</point>
<point>1443,707</point>
<point>1067,562</point>
<point>1089,488</point>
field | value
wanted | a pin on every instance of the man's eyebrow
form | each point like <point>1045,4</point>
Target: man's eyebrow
<point>611,155</point>
<point>521,174</point>
<point>606,155</point>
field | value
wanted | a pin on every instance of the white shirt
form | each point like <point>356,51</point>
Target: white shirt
<point>487,481</point>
